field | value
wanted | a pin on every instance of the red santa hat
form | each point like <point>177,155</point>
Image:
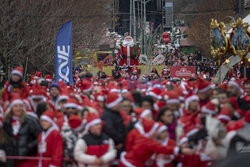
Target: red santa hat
<point>203,85</point>
<point>38,92</point>
<point>48,78</point>
<point>209,108</point>
<point>142,112</point>
<point>72,102</point>
<point>17,71</point>
<point>114,88</point>
<point>76,123</point>
<point>190,97</point>
<point>38,75</point>
<point>86,86</point>
<point>92,119</point>
<point>63,96</point>
<point>49,116</point>
<point>113,99</point>
<point>130,97</point>
<point>99,96</point>
<point>15,99</point>
<point>235,83</point>
<point>155,92</point>
<point>29,108</point>
<point>171,97</point>
<point>162,128</point>
<point>148,127</point>
<point>183,139</point>
<point>225,115</point>
<point>191,129</point>
<point>158,105</point>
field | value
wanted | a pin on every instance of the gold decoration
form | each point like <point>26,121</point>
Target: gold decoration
<point>240,39</point>
<point>218,40</point>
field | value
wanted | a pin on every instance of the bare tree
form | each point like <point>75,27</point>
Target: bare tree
<point>200,25</point>
<point>29,28</point>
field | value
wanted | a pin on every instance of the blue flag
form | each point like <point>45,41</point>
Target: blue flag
<point>63,60</point>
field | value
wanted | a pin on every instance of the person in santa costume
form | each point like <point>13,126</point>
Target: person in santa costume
<point>235,90</point>
<point>95,148</point>
<point>133,134</point>
<point>114,124</point>
<point>189,122</point>
<point>22,129</point>
<point>204,90</point>
<point>134,73</point>
<point>15,84</point>
<point>50,142</point>
<point>165,73</point>
<point>129,53</point>
<point>163,137</point>
<point>146,145</point>
<point>48,78</point>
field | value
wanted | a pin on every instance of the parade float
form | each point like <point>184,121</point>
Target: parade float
<point>230,47</point>
<point>126,53</point>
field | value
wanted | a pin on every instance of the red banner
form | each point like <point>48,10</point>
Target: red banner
<point>182,72</point>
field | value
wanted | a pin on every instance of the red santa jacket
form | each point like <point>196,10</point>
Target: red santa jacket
<point>50,145</point>
<point>24,93</point>
<point>142,150</point>
<point>161,161</point>
<point>130,53</point>
<point>130,139</point>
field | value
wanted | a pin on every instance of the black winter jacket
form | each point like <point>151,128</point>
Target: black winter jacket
<point>26,142</point>
<point>114,126</point>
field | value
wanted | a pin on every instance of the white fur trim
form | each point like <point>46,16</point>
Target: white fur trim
<point>36,77</point>
<point>140,128</point>
<point>162,128</point>
<point>62,98</point>
<point>189,99</point>
<point>234,83</point>
<point>100,98</point>
<point>16,72</point>
<point>87,90</point>
<point>114,103</point>
<point>154,95</point>
<point>205,89</point>
<point>49,80</point>
<point>28,104</point>
<point>32,114</point>
<point>191,132</point>
<point>37,96</point>
<point>176,150</point>
<point>224,117</point>
<point>124,161</point>
<point>115,90</point>
<point>152,130</point>
<point>93,122</point>
<point>79,107</point>
<point>171,101</point>
<point>183,140</point>
<point>124,91</point>
<point>206,110</point>
<point>46,118</point>
<point>71,105</point>
<point>144,113</point>
<point>18,101</point>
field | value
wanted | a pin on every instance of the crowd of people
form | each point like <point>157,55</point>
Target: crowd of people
<point>106,121</point>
